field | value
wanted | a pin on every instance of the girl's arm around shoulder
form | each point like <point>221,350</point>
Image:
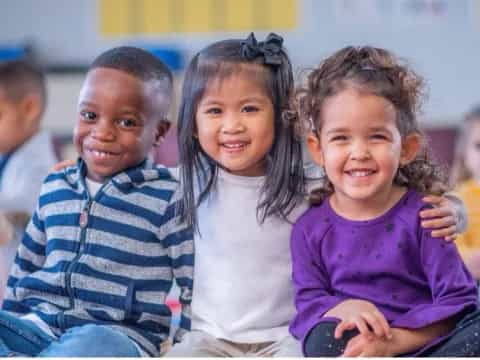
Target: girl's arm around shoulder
<point>447,218</point>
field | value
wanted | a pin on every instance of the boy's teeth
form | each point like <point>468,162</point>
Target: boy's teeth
<point>100,153</point>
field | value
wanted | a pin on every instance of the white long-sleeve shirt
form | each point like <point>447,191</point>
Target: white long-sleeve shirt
<point>242,276</point>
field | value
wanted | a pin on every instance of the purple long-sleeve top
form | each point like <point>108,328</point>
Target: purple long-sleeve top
<point>391,261</point>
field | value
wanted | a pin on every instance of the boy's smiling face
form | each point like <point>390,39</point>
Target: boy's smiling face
<point>119,119</point>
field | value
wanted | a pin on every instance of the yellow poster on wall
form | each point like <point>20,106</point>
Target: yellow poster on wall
<point>130,17</point>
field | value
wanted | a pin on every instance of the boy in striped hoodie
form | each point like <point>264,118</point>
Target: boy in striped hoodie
<point>104,244</point>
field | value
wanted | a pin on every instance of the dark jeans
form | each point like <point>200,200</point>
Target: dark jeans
<point>463,341</point>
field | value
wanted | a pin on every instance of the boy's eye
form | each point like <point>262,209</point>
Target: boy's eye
<point>88,115</point>
<point>127,122</point>
<point>250,108</point>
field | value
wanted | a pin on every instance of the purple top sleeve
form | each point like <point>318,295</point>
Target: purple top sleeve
<point>313,293</point>
<point>452,286</point>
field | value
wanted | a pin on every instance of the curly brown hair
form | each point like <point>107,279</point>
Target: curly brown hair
<point>374,71</point>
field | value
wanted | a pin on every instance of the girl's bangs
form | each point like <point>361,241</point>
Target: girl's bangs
<point>212,71</point>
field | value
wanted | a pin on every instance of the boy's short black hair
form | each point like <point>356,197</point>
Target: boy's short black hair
<point>139,63</point>
<point>18,78</point>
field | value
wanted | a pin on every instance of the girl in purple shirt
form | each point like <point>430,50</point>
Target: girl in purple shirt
<point>369,280</point>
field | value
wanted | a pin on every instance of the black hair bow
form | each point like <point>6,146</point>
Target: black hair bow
<point>270,49</point>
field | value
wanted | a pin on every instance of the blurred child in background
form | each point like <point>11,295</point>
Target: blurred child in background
<point>104,245</point>
<point>26,154</point>
<point>466,178</point>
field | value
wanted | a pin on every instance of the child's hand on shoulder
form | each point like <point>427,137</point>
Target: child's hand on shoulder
<point>362,315</point>
<point>62,165</point>
<point>443,218</point>
<point>364,346</point>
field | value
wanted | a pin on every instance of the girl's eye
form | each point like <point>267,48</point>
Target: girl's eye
<point>213,111</point>
<point>127,122</point>
<point>250,108</point>
<point>379,137</point>
<point>477,145</point>
<point>88,115</point>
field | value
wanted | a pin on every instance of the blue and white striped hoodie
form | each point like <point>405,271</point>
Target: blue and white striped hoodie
<point>108,260</point>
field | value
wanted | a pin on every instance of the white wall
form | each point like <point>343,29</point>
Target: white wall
<point>61,112</point>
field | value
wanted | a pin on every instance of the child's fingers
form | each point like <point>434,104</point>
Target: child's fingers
<point>439,223</point>
<point>433,199</point>
<point>377,322</point>
<point>362,326</point>
<point>62,164</point>
<point>354,347</point>
<point>449,231</point>
<point>341,327</point>
<point>436,212</point>
<point>373,323</point>
<point>450,237</point>
<point>384,324</point>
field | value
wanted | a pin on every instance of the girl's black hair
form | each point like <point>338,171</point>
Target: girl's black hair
<point>284,181</point>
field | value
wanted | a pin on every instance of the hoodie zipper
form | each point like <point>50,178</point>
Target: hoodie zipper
<point>83,222</point>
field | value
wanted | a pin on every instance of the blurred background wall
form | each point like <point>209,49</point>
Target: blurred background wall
<point>440,38</point>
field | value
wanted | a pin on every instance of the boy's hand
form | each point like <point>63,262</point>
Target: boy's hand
<point>62,165</point>
<point>443,218</point>
<point>363,346</point>
<point>362,315</point>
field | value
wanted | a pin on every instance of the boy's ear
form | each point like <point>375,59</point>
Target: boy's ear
<point>411,145</point>
<point>162,128</point>
<point>32,107</point>
<point>315,148</point>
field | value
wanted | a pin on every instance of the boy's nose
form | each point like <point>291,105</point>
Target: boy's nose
<point>104,131</point>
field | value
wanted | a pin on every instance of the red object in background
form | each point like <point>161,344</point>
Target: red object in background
<point>173,304</point>
<point>167,152</point>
